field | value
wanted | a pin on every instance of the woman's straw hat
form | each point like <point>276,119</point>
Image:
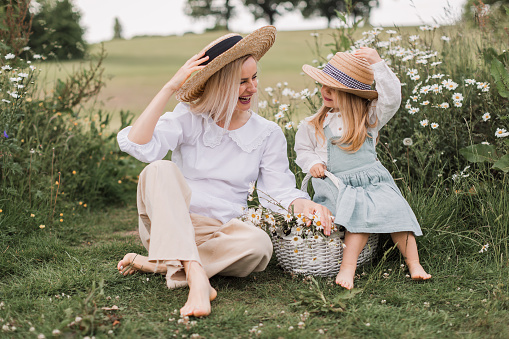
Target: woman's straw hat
<point>346,73</point>
<point>221,52</point>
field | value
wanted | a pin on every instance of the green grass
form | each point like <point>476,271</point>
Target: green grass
<point>467,297</point>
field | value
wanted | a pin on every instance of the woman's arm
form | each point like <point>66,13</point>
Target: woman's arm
<point>143,128</point>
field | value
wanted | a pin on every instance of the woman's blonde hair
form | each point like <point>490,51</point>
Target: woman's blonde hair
<point>354,111</point>
<point>221,93</point>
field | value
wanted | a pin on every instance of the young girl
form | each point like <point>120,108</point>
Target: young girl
<point>341,139</point>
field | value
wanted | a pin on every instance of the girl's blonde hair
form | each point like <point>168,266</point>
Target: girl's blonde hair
<point>355,113</point>
<point>221,93</point>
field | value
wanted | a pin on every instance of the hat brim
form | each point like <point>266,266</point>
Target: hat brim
<point>255,44</point>
<point>325,79</point>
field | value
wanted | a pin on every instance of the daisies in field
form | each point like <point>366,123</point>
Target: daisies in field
<point>501,133</point>
<point>486,116</point>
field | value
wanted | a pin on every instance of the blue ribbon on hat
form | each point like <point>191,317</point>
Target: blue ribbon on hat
<point>345,79</point>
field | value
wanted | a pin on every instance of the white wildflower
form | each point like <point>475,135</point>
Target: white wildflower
<point>9,56</point>
<point>436,63</point>
<point>470,82</point>
<point>501,133</point>
<point>424,122</point>
<point>434,125</point>
<point>262,104</point>
<point>289,125</point>
<point>37,56</point>
<point>279,115</point>
<point>413,38</point>
<point>413,110</point>
<point>445,38</point>
<point>444,105</point>
<point>486,116</point>
<point>252,187</point>
<point>390,31</point>
<point>425,103</point>
<point>484,248</point>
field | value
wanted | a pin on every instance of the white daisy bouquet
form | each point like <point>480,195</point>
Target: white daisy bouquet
<point>288,226</point>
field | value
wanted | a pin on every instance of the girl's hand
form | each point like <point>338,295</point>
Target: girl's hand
<point>318,170</point>
<point>370,54</point>
<point>192,65</point>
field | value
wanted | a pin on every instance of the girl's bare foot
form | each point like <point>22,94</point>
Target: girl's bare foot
<point>133,262</point>
<point>346,275</point>
<point>200,291</point>
<point>417,272</point>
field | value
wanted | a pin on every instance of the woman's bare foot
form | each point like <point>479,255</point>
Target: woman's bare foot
<point>346,275</point>
<point>200,291</point>
<point>127,266</point>
<point>133,262</point>
<point>417,272</point>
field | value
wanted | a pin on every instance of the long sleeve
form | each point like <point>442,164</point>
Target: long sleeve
<point>275,177</point>
<point>171,130</point>
<point>306,147</point>
<point>388,87</point>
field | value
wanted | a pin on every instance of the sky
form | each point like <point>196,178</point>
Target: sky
<point>166,17</point>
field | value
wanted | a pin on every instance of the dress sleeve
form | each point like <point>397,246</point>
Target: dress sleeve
<point>389,95</point>
<point>172,129</point>
<point>275,178</point>
<point>305,147</point>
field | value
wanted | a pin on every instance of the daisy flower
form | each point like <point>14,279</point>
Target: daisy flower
<point>283,107</point>
<point>445,38</point>
<point>457,104</point>
<point>443,105</point>
<point>289,125</point>
<point>501,133</point>
<point>425,103</point>
<point>424,122</point>
<point>279,115</point>
<point>486,116</point>
<point>469,81</point>
<point>457,97</point>
<point>413,110</point>
<point>434,125</point>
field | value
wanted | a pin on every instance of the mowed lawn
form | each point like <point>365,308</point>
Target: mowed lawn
<point>136,69</point>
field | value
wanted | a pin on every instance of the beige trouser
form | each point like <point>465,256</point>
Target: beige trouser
<point>172,235</point>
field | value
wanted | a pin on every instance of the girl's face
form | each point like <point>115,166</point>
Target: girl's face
<point>248,84</point>
<point>328,96</point>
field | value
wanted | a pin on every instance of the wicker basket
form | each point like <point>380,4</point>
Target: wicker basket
<point>317,258</point>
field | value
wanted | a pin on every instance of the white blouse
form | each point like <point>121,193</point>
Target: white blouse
<point>219,164</point>
<point>312,150</point>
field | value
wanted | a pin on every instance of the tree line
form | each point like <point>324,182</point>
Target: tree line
<point>224,10</point>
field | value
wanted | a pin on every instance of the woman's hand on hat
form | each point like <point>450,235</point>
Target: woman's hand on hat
<point>370,54</point>
<point>192,65</point>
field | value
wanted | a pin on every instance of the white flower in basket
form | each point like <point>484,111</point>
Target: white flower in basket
<point>299,248</point>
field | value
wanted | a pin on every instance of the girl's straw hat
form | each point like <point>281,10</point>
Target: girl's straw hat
<point>346,73</point>
<point>221,52</point>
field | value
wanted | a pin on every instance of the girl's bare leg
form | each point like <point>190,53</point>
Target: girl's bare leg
<point>133,262</point>
<point>200,291</point>
<point>354,242</point>
<point>408,248</point>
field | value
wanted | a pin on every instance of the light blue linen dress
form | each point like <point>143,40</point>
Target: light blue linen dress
<point>368,200</point>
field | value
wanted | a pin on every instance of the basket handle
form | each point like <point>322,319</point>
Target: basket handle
<point>328,174</point>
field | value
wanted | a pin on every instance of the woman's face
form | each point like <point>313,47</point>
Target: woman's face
<point>248,84</point>
<point>327,96</point>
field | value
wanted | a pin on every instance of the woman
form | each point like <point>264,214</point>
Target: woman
<point>187,207</point>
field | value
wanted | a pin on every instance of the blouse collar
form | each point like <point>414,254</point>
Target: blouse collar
<point>248,137</point>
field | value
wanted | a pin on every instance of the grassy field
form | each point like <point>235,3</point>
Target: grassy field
<point>58,274</point>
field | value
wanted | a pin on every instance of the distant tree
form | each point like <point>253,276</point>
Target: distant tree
<point>270,9</point>
<point>117,29</point>
<point>222,10</point>
<point>56,30</point>
<point>328,8</point>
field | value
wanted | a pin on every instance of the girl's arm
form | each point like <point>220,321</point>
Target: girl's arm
<point>143,128</point>
<point>305,147</point>
<point>387,85</point>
